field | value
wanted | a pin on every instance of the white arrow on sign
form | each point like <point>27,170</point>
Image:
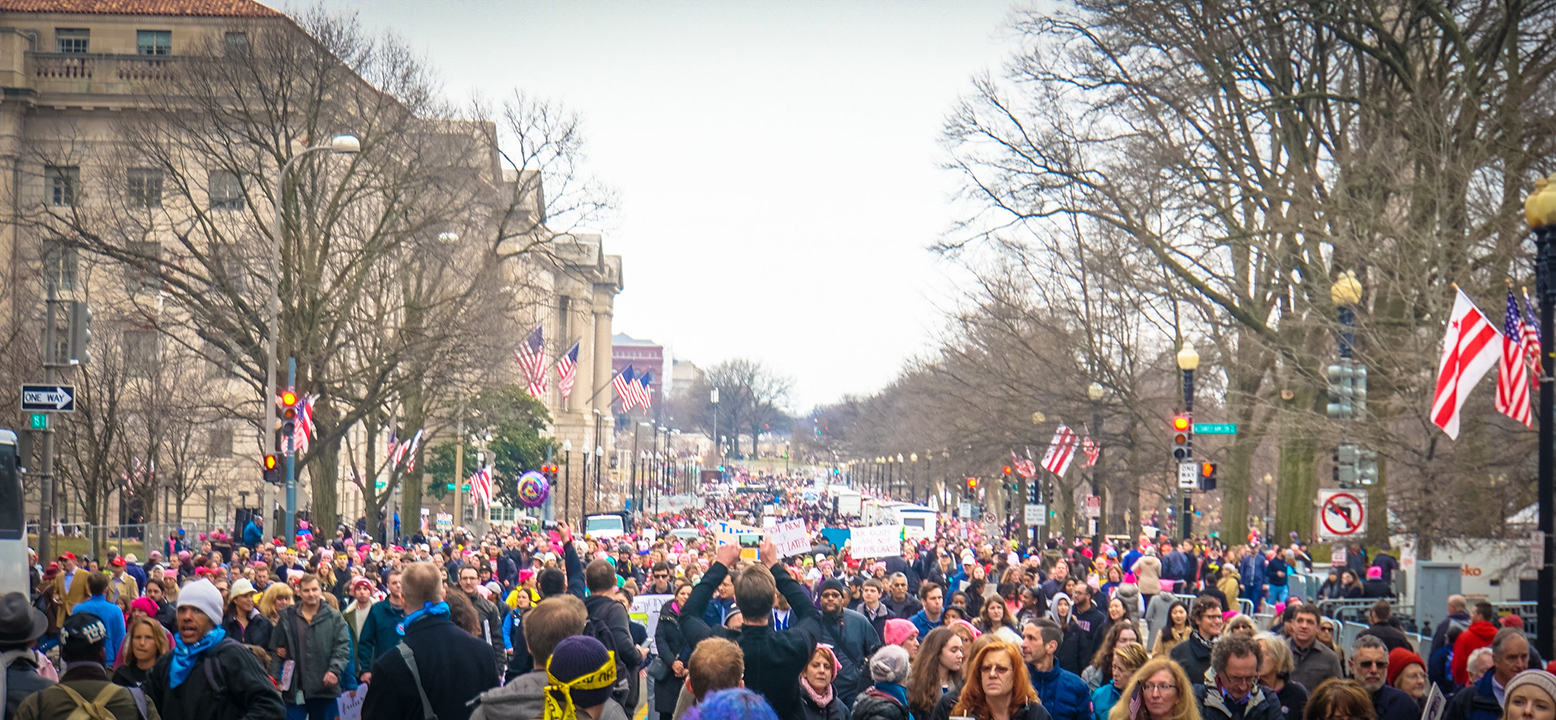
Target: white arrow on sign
<point>58,397</point>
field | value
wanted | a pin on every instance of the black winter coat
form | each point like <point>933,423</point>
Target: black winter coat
<point>834,710</point>
<point>1263,705</point>
<point>257,633</point>
<point>774,660</point>
<point>1193,655</point>
<point>243,692</point>
<point>671,645</point>
<point>853,641</point>
<point>873,704</point>
<point>455,667</point>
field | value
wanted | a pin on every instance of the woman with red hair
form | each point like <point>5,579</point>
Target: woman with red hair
<point>997,687</point>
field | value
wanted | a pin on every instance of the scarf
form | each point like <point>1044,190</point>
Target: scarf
<point>559,695</point>
<point>821,700</point>
<point>440,608</point>
<point>897,692</point>
<point>184,656</point>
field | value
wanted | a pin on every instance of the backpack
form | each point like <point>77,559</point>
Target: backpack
<point>97,708</point>
<point>597,628</point>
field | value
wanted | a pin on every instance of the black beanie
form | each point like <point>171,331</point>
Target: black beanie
<point>575,657</point>
<point>833,584</point>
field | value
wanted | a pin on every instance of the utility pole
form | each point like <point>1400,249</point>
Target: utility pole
<point>46,469</point>
<point>291,465</point>
<point>459,466</point>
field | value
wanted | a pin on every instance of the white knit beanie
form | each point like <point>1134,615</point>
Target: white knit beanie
<point>203,596</point>
<point>1541,679</point>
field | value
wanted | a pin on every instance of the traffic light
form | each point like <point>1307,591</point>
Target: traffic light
<point>288,412</point>
<point>272,470</point>
<point>80,333</point>
<point>1367,466</point>
<point>1207,476</point>
<point>549,471</point>
<point>1347,391</point>
<point>1180,437</point>
<point>972,486</point>
<point>1345,465</point>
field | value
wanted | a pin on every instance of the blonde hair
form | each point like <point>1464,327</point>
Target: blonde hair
<point>158,636</point>
<point>267,600</point>
<point>1183,705</point>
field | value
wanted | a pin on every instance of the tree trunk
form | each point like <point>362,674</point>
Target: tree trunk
<point>324,470</point>
<point>1297,469</point>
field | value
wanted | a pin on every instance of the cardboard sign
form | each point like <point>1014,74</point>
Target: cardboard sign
<point>876,541</point>
<point>791,538</point>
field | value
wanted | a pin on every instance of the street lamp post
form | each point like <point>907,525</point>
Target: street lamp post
<point>1540,210</point>
<point>567,480</point>
<point>913,479</point>
<point>1096,392</point>
<point>718,447</point>
<point>1188,361</point>
<point>341,144</point>
<point>599,463</point>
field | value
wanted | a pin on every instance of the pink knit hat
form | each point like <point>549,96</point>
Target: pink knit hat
<point>898,631</point>
<point>1375,573</point>
<point>968,625</point>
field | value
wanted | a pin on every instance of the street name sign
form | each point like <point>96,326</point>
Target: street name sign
<point>49,398</point>
<point>1215,429</point>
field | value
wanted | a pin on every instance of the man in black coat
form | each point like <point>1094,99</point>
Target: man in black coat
<point>453,665</point>
<point>608,623</point>
<point>223,680</point>
<point>1385,628</point>
<point>1193,654</point>
<point>1458,614</point>
<point>773,659</point>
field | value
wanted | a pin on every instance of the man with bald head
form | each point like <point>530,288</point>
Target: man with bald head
<point>438,667</point>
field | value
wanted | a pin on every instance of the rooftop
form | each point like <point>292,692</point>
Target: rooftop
<point>166,8</point>
<point>625,339</point>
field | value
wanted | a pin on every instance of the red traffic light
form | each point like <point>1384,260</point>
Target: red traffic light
<point>972,483</point>
<point>270,462</point>
<point>1007,469</point>
<point>288,397</point>
<point>1180,423</point>
<point>1207,470</point>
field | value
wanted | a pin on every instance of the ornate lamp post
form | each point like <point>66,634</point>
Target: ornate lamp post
<point>1096,392</point>
<point>1540,210</point>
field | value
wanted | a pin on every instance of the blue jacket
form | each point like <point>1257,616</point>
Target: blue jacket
<point>1475,702</point>
<point>1103,700</point>
<point>1063,693</point>
<point>378,634</point>
<point>252,535</point>
<point>1393,704</point>
<point>921,621</point>
<point>113,619</point>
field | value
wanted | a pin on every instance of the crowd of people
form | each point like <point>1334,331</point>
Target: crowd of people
<point>537,623</point>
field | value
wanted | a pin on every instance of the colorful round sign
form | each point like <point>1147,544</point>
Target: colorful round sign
<point>533,489</point>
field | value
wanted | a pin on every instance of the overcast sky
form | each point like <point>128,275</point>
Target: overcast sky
<point>777,161</point>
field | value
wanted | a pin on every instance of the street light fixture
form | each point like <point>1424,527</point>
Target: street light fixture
<point>1096,392</point>
<point>341,145</point>
<point>1540,210</point>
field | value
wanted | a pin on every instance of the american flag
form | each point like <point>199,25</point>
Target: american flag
<point>640,390</point>
<point>1469,351</point>
<point>1024,466</point>
<point>567,371</point>
<point>623,384</point>
<point>532,359</point>
<point>304,430</point>
<point>1060,452</point>
<point>392,446</point>
<point>1092,449</point>
<point>481,486</point>
<point>410,451</point>
<point>1513,371</point>
<point>1531,337</point>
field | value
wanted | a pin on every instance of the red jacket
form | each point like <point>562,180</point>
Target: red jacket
<point>1474,637</point>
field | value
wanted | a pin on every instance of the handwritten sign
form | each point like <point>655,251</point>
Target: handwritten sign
<point>875,541</point>
<point>349,704</point>
<point>791,538</point>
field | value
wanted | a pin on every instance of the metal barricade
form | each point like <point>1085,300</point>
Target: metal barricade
<point>1349,631</point>
<point>1264,620</point>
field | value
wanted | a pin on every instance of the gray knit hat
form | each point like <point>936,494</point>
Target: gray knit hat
<point>203,596</point>
<point>1541,679</point>
<point>890,665</point>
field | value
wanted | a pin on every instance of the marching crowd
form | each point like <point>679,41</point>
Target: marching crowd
<point>521,624</point>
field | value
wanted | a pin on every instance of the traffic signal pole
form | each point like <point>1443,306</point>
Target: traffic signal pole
<point>291,466</point>
<point>1187,521</point>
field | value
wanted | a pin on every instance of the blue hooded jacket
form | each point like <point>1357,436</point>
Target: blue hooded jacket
<point>1063,693</point>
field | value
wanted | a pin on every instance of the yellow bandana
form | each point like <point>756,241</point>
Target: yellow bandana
<point>559,695</point>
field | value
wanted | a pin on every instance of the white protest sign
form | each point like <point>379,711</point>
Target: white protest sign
<point>875,541</point>
<point>791,538</point>
<point>645,609</point>
<point>349,704</point>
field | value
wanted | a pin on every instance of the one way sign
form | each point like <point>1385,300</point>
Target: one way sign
<point>49,398</point>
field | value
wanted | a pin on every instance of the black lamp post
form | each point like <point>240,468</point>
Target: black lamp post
<point>1540,210</point>
<point>1096,393</point>
<point>1188,362</point>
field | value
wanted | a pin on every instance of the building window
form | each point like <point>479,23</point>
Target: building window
<point>226,191</point>
<point>220,442</point>
<point>71,40</point>
<point>154,42</point>
<point>59,263</point>
<point>145,189</point>
<point>139,279</point>
<point>237,43</point>
<point>140,352</point>
<point>62,184</point>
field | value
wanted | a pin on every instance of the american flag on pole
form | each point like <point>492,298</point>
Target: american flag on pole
<point>1513,371</point>
<point>532,359</point>
<point>410,452</point>
<point>393,445</point>
<point>1060,452</point>
<point>1092,449</point>
<point>304,430</point>
<point>623,383</point>
<point>640,390</point>
<point>1531,338</point>
<point>1024,466</point>
<point>567,371</point>
<point>1469,351</point>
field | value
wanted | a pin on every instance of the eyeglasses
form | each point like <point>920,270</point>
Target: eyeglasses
<point>1371,664</point>
<point>1239,680</point>
<point>1158,688</point>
